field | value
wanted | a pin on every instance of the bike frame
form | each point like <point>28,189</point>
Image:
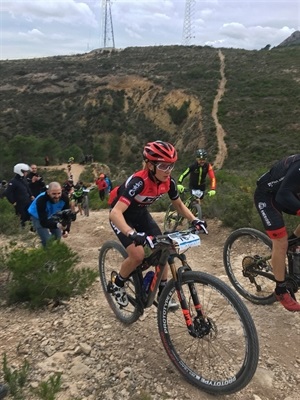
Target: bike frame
<point>147,299</point>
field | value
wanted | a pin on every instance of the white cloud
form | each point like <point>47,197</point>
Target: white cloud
<point>227,23</point>
<point>63,11</point>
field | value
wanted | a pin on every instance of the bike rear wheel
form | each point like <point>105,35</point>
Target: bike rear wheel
<point>223,358</point>
<point>112,254</point>
<point>245,255</point>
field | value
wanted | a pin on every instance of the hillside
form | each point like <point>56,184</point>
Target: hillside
<point>110,103</point>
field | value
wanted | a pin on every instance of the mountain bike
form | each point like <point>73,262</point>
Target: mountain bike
<point>210,338</point>
<point>173,219</point>
<point>247,256</point>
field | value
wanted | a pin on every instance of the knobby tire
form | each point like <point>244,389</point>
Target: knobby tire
<point>223,361</point>
<point>110,258</point>
<point>241,250</point>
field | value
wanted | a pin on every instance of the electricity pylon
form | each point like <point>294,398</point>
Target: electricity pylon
<point>188,24</point>
<point>108,39</point>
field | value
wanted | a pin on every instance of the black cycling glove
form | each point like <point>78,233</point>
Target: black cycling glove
<point>139,238</point>
<point>200,225</point>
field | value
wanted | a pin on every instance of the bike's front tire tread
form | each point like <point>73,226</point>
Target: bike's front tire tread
<point>244,376</point>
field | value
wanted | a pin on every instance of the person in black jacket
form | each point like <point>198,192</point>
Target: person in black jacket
<point>18,192</point>
<point>35,181</point>
<point>3,391</point>
<point>3,187</point>
<point>278,192</point>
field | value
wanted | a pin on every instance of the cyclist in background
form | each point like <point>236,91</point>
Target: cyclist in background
<point>129,216</point>
<point>198,172</point>
<point>277,192</point>
<point>77,197</point>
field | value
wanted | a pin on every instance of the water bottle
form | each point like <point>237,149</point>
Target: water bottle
<point>296,261</point>
<point>147,281</point>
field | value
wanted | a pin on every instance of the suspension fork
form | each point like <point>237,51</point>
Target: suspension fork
<point>177,276</point>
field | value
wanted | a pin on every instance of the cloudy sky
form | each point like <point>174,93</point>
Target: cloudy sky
<point>40,28</point>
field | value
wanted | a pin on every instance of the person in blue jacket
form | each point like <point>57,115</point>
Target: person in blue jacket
<point>42,209</point>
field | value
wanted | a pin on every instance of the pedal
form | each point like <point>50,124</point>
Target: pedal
<point>109,287</point>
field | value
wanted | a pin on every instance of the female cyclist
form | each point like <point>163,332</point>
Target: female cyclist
<point>129,216</point>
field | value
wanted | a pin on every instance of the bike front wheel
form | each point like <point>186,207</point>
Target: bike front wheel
<point>172,219</point>
<point>196,210</point>
<point>222,357</point>
<point>111,256</point>
<point>246,258</point>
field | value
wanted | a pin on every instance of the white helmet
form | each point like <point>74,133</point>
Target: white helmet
<point>21,168</point>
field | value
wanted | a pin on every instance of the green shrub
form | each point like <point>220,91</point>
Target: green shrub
<point>17,379</point>
<point>9,221</point>
<point>178,115</point>
<point>44,274</point>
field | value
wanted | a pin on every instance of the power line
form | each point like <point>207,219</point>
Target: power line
<point>188,33</point>
<point>108,39</point>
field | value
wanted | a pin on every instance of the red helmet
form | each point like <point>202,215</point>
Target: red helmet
<point>160,151</point>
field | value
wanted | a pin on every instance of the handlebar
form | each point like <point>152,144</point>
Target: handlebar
<point>179,240</point>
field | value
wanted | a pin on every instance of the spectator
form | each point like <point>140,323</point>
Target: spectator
<point>3,187</point>
<point>3,391</point>
<point>35,181</point>
<point>47,161</point>
<point>102,185</point>
<point>18,192</point>
<point>109,185</point>
<point>68,187</point>
<point>42,210</point>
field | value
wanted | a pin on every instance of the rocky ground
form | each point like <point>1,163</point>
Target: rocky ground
<point>102,359</point>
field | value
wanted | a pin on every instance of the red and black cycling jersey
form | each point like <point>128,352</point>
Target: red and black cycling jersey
<point>283,182</point>
<point>198,175</point>
<point>140,190</point>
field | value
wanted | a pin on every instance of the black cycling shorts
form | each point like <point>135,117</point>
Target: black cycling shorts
<point>139,221</point>
<point>270,213</point>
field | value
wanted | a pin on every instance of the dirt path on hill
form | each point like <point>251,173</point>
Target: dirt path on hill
<point>222,148</point>
<point>76,169</point>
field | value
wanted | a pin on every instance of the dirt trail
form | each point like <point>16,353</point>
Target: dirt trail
<point>76,169</point>
<point>222,148</point>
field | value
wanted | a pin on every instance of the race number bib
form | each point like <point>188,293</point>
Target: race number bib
<point>184,242</point>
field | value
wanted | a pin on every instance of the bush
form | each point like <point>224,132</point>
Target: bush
<point>9,221</point>
<point>44,274</point>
